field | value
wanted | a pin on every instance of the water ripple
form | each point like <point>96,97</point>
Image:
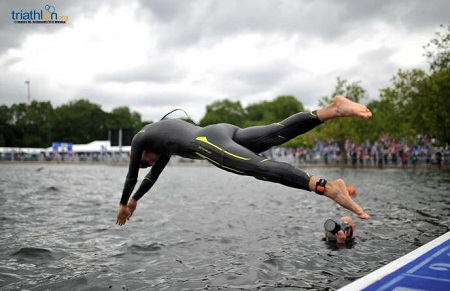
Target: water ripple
<point>209,230</point>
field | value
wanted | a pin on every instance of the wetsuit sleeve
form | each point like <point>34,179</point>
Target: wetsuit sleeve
<point>151,177</point>
<point>133,170</point>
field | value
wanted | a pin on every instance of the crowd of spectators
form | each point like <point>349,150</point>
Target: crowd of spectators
<point>424,152</point>
<point>385,152</point>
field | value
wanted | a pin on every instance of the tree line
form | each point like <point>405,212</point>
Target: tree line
<point>416,102</point>
<point>38,124</point>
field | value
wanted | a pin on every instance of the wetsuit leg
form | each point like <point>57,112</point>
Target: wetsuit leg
<point>215,143</point>
<point>261,138</point>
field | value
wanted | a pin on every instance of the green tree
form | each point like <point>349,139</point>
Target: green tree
<point>7,134</point>
<point>435,91</point>
<point>225,111</point>
<point>385,119</point>
<point>40,116</point>
<point>259,114</point>
<point>79,121</point>
<point>283,107</point>
<point>344,128</point>
<point>400,119</point>
<point>420,101</point>
<point>32,123</point>
<point>438,50</point>
<point>433,106</point>
<point>267,112</point>
<point>18,112</point>
<point>122,117</point>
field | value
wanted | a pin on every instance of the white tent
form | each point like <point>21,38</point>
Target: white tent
<point>97,146</point>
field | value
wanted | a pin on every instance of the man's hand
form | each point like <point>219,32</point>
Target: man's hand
<point>123,215</point>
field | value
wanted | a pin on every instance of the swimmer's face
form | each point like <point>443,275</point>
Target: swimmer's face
<point>148,159</point>
<point>349,221</point>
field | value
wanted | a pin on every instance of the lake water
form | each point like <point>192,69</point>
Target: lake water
<point>200,228</point>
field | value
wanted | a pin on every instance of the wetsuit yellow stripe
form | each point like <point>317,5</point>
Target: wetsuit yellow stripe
<point>205,140</point>
<point>218,164</point>
<point>262,161</point>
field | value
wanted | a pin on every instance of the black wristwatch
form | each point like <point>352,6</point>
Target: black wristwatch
<point>320,186</point>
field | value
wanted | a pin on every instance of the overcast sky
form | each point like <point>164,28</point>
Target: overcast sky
<point>153,56</point>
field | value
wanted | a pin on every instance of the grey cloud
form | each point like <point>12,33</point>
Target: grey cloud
<point>154,105</point>
<point>13,34</point>
<point>14,89</point>
<point>308,89</point>
<point>373,69</point>
<point>185,23</point>
<point>244,81</point>
<point>159,71</point>
<point>179,24</point>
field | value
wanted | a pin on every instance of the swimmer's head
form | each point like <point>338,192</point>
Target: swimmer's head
<point>144,164</point>
<point>348,220</point>
<point>339,232</point>
<point>148,159</point>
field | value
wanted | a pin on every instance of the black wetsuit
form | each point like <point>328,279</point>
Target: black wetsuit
<point>226,146</point>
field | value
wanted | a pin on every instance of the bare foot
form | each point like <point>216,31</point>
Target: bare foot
<point>343,107</point>
<point>348,108</point>
<point>337,191</point>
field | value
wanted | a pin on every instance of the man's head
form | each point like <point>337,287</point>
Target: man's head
<point>341,232</point>
<point>148,159</point>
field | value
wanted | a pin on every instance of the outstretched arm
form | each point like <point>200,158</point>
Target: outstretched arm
<point>151,177</point>
<point>130,181</point>
<point>126,208</point>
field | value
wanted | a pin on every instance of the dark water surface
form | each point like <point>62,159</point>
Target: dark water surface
<point>200,228</point>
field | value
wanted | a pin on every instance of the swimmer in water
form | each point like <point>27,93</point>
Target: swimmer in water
<point>345,233</point>
<point>235,150</point>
